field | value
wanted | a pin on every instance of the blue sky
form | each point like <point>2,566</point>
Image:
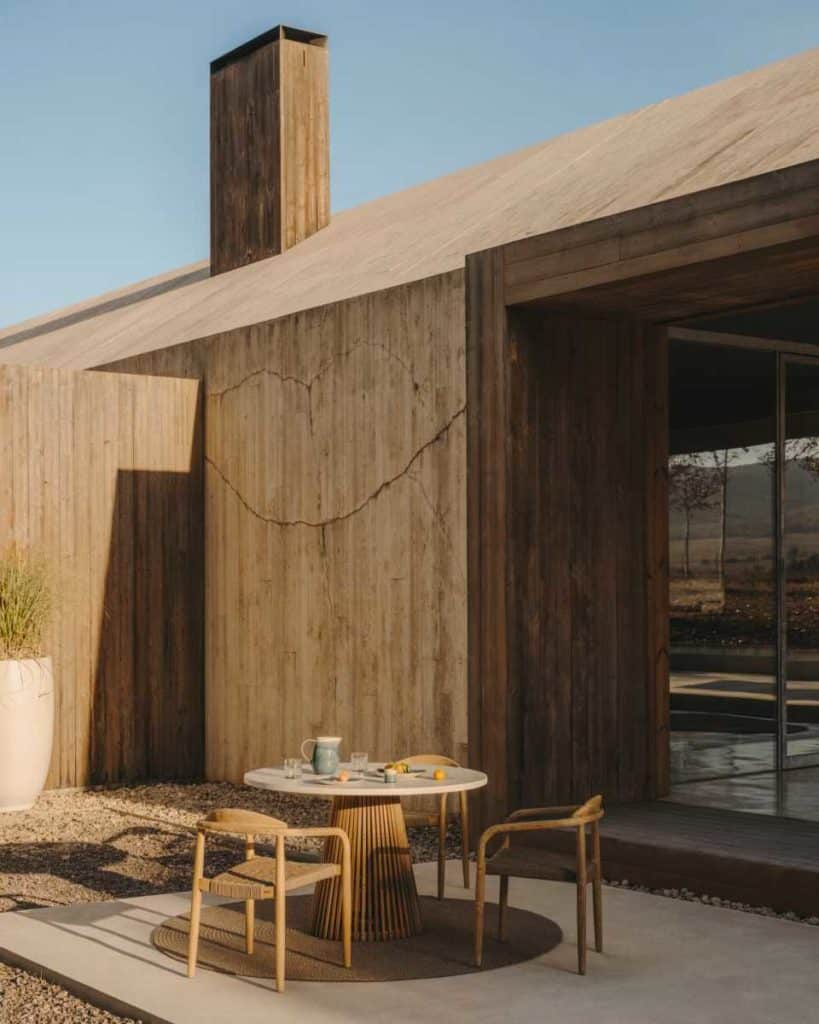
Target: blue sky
<point>104,106</point>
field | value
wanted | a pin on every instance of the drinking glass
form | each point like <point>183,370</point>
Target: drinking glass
<point>292,767</point>
<point>359,762</point>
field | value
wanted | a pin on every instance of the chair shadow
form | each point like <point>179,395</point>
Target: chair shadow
<point>85,864</point>
<point>71,919</point>
<point>99,867</point>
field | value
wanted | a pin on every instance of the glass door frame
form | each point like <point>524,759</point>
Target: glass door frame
<point>784,760</point>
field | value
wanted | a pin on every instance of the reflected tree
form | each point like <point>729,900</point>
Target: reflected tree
<point>693,485</point>
<point>721,461</point>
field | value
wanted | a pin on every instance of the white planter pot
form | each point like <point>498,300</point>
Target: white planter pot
<point>26,730</point>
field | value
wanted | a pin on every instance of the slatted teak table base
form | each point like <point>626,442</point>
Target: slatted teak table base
<point>385,900</point>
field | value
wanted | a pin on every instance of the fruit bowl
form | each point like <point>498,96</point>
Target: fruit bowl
<point>401,768</point>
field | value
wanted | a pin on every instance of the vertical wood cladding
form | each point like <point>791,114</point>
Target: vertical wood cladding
<point>305,146</point>
<point>567,551</point>
<point>487,365</point>
<point>269,148</point>
<point>582,489</point>
<point>336,527</point>
<point>101,475</point>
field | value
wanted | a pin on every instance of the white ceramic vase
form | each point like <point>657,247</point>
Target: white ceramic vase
<point>26,730</point>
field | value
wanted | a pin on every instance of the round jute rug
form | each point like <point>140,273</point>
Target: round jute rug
<point>443,949</point>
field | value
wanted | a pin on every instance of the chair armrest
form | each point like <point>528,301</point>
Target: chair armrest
<point>319,832</point>
<point>239,822</point>
<point>226,829</point>
<point>542,812</point>
<point>507,829</point>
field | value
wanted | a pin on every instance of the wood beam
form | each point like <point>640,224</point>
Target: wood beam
<point>597,264</point>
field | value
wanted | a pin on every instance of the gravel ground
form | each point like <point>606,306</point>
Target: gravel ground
<point>26,999</point>
<point>714,901</point>
<point>84,846</point>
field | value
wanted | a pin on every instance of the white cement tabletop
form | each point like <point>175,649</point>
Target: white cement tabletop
<point>372,784</point>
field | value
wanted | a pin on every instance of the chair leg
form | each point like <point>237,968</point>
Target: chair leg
<point>280,904</point>
<point>347,915</point>
<point>597,900</point>
<point>250,925</point>
<point>442,823</point>
<point>581,900</point>
<point>193,935</point>
<point>465,837</point>
<point>250,909</point>
<point>196,904</point>
<point>597,889</point>
<point>502,904</point>
<point>480,896</point>
<point>581,928</point>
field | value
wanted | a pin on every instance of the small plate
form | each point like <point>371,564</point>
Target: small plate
<point>331,780</point>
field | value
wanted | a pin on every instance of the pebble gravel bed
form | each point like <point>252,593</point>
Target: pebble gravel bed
<point>714,901</point>
<point>83,846</point>
<point>26,999</point>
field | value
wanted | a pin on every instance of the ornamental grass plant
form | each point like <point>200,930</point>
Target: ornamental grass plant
<point>25,604</point>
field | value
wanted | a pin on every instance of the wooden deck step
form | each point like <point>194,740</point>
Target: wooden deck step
<point>751,858</point>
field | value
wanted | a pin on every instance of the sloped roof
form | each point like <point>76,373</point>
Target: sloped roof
<point>761,121</point>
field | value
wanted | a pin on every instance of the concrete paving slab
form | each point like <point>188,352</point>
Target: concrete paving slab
<point>666,962</point>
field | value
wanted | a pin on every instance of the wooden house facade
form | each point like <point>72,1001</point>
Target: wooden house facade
<point>430,436</point>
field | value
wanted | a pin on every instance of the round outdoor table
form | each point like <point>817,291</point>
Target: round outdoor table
<point>385,900</point>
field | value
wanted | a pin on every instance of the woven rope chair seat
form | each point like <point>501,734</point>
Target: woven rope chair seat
<point>255,879</point>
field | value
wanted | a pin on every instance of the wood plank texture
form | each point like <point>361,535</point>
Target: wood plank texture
<point>335,458</point>
<point>245,160</point>
<point>270,151</point>
<point>102,477</point>
<point>757,238</point>
<point>487,368</point>
<point>772,274</point>
<point>566,628</point>
<point>582,431</point>
<point>766,209</point>
<point>305,133</point>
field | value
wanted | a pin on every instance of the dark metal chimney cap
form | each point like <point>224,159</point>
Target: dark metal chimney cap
<point>299,35</point>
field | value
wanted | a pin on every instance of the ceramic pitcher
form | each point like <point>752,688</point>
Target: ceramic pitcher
<point>324,757</point>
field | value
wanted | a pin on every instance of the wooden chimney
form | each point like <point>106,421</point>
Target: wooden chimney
<point>269,147</point>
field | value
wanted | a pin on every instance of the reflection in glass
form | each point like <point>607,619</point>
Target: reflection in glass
<point>800,549</point>
<point>722,561</point>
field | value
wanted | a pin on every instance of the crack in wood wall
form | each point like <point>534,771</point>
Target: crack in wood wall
<point>335,518</point>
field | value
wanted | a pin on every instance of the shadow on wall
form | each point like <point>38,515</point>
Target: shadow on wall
<point>147,707</point>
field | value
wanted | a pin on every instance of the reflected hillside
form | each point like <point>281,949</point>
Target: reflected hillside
<point>727,600</point>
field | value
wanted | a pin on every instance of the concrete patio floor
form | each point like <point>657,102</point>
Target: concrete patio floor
<point>666,961</point>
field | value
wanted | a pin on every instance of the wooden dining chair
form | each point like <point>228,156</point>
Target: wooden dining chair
<point>265,878</point>
<point>527,861</point>
<point>439,819</point>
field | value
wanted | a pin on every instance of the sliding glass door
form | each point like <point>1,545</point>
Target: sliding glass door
<point>723,579</point>
<point>744,560</point>
<point>799,559</point>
